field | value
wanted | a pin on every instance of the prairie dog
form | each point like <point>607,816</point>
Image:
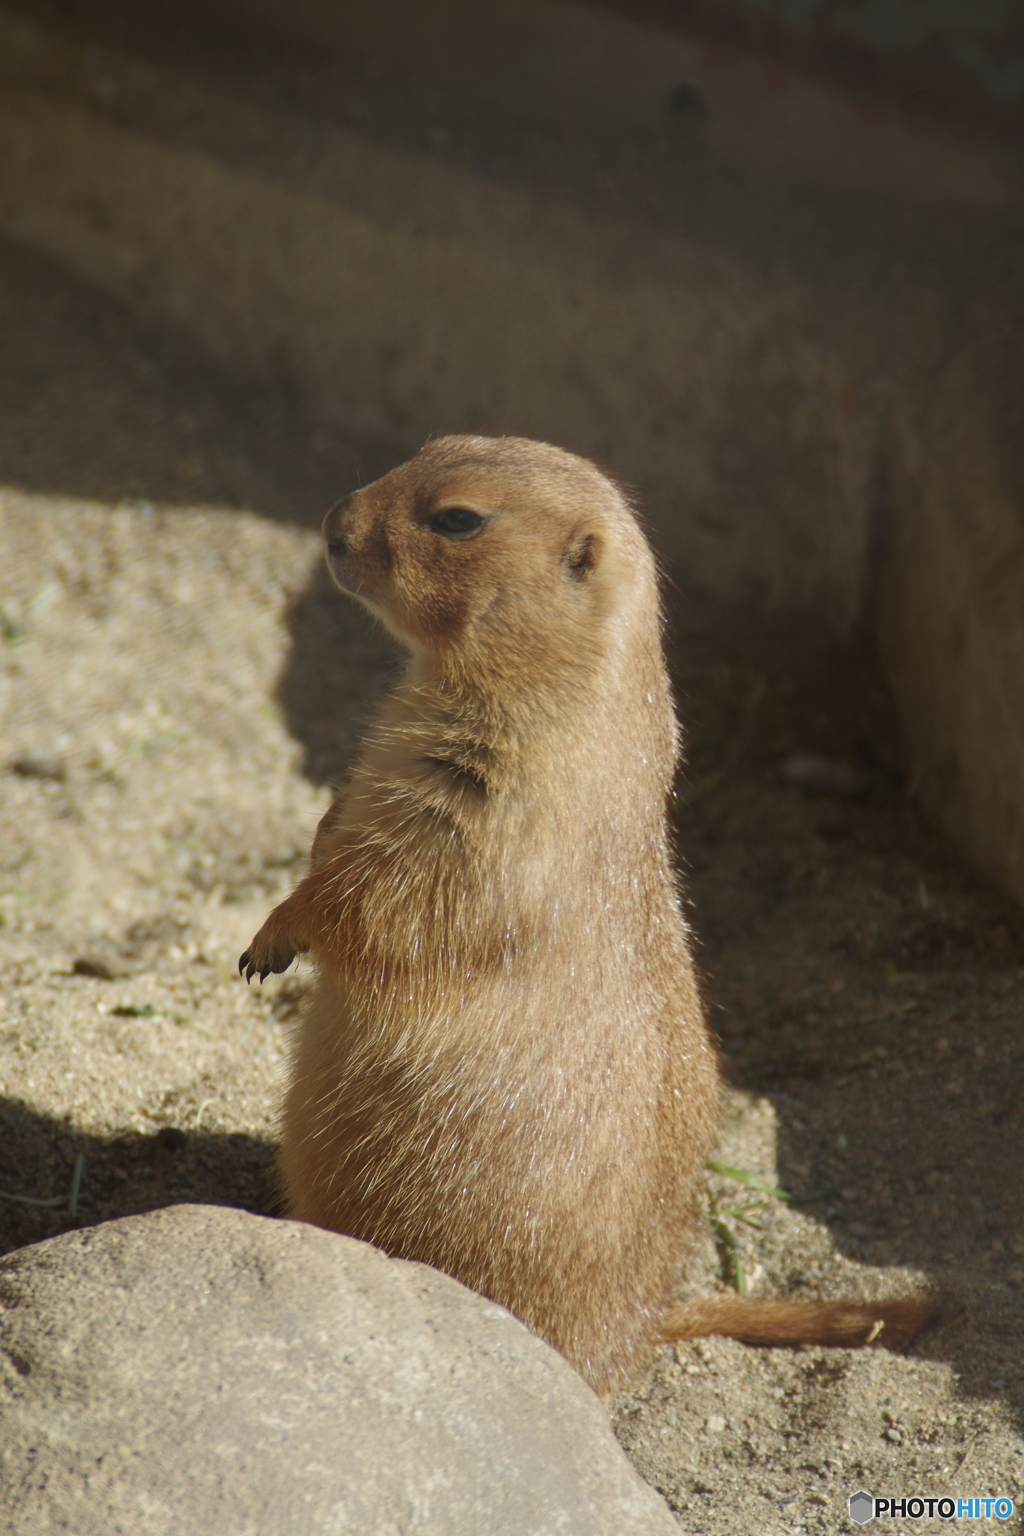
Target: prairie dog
<point>504,1069</point>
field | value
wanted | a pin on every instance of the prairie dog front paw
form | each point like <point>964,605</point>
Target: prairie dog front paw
<point>274,947</point>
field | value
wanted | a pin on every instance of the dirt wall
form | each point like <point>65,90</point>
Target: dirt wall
<point>791,320</point>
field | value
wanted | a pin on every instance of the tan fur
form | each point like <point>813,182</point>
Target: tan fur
<point>504,1070</point>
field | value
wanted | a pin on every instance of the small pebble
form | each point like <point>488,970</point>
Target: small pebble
<point>171,1139</point>
<point>89,965</point>
<point>32,765</point>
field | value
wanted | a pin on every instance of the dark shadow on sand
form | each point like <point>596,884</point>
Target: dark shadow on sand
<point>123,1175</point>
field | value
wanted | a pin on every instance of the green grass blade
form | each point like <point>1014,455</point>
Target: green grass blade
<point>751,1180</point>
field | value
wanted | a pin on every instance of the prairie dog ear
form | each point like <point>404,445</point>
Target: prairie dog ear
<point>581,555</point>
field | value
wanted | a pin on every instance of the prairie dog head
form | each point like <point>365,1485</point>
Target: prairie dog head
<point>496,557</point>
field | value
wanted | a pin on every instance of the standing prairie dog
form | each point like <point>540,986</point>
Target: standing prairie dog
<point>504,1069</point>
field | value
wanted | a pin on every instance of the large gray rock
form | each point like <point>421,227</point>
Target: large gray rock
<point>198,1371</point>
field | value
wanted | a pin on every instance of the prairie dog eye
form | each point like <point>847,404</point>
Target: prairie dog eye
<point>456,522</point>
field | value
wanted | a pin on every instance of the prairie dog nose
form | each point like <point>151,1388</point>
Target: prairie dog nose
<point>334,532</point>
<point>332,523</point>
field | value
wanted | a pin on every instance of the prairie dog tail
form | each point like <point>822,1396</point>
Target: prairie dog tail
<point>846,1323</point>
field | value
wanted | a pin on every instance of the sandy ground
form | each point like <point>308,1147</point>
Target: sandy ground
<point>178,685</point>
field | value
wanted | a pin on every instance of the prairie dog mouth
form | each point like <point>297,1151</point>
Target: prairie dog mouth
<point>337,551</point>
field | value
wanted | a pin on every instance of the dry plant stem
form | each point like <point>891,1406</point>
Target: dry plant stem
<point>70,1199</point>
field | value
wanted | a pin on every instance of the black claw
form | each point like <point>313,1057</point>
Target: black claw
<point>248,968</point>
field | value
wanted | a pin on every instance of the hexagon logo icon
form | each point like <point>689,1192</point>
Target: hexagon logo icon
<point>862,1507</point>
